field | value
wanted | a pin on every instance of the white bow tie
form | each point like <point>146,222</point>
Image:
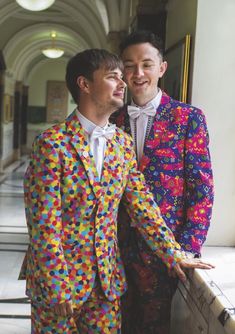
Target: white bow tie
<point>99,132</point>
<point>135,112</point>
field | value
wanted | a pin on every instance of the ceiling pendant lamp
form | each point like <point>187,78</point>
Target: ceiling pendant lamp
<point>52,51</point>
<point>35,5</point>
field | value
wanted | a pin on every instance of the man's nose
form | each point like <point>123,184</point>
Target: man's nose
<point>122,83</point>
<point>138,71</point>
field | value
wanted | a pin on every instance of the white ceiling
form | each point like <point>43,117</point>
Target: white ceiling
<point>79,24</point>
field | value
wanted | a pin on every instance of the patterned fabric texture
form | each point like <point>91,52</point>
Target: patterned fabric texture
<point>71,216</point>
<point>177,168</point>
<point>98,315</point>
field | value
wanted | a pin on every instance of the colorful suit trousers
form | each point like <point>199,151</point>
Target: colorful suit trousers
<point>96,316</point>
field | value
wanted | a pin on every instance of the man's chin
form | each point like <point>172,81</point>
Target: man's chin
<point>138,90</point>
<point>116,106</point>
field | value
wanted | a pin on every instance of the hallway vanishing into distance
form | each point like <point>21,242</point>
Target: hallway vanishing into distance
<point>33,96</point>
<point>14,305</point>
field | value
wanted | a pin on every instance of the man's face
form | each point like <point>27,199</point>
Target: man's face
<point>143,67</point>
<point>107,89</point>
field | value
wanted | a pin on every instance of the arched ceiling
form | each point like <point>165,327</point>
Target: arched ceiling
<point>79,24</point>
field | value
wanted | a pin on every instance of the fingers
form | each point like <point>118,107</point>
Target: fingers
<point>59,309</point>
<point>179,272</point>
<point>196,263</point>
<point>190,263</point>
<point>69,308</point>
<point>64,309</point>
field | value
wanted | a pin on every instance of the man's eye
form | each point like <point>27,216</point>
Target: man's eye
<point>113,77</point>
<point>129,66</point>
<point>148,65</point>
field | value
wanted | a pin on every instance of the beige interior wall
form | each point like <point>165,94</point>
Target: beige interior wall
<point>213,90</point>
<point>53,69</point>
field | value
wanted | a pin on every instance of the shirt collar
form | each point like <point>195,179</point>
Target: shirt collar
<point>87,125</point>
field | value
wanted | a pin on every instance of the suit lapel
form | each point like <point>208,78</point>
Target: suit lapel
<point>162,120</point>
<point>160,123</point>
<point>112,166</point>
<point>82,147</point>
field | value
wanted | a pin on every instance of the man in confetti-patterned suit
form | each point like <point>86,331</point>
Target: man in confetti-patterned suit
<point>79,171</point>
<point>171,142</point>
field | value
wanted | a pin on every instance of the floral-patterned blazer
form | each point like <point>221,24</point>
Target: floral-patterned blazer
<point>177,167</point>
<point>71,215</point>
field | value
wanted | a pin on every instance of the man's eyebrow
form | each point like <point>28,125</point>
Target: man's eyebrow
<point>115,72</point>
<point>128,60</point>
<point>143,60</point>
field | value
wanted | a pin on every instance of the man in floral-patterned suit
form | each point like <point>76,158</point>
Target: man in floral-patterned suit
<point>171,142</point>
<point>79,171</point>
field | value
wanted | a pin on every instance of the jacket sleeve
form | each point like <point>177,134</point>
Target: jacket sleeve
<point>43,215</point>
<point>145,216</point>
<point>199,192</point>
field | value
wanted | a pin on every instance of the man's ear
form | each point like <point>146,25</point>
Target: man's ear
<point>83,84</point>
<point>163,68</point>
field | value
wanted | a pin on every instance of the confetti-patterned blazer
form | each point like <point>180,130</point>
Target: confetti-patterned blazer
<point>177,167</point>
<point>71,215</point>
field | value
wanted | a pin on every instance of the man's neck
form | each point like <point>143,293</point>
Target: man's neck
<point>142,101</point>
<point>100,121</point>
<point>89,112</point>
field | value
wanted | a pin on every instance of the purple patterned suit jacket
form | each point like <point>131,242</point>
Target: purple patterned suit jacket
<point>177,167</point>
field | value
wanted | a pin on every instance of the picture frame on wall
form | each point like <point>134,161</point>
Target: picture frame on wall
<point>57,101</point>
<point>175,80</point>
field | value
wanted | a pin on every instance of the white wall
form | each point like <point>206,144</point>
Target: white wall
<point>213,90</point>
<point>53,69</point>
<point>50,70</point>
<point>211,24</point>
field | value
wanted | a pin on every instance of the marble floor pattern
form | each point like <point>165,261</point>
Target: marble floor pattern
<point>14,305</point>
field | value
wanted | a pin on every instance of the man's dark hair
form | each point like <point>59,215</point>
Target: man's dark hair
<point>142,36</point>
<point>85,63</point>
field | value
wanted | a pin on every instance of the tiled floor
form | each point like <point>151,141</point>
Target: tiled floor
<point>14,305</point>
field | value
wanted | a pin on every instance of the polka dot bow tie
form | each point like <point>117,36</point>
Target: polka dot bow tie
<point>135,112</point>
<point>107,132</point>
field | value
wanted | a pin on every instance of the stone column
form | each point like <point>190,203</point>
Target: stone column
<point>17,119</point>
<point>24,114</point>
<point>2,73</point>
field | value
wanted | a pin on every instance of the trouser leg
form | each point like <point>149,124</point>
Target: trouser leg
<point>99,315</point>
<point>151,292</point>
<point>45,321</point>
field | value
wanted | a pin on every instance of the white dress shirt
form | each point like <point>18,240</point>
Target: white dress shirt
<point>98,145</point>
<point>140,124</point>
